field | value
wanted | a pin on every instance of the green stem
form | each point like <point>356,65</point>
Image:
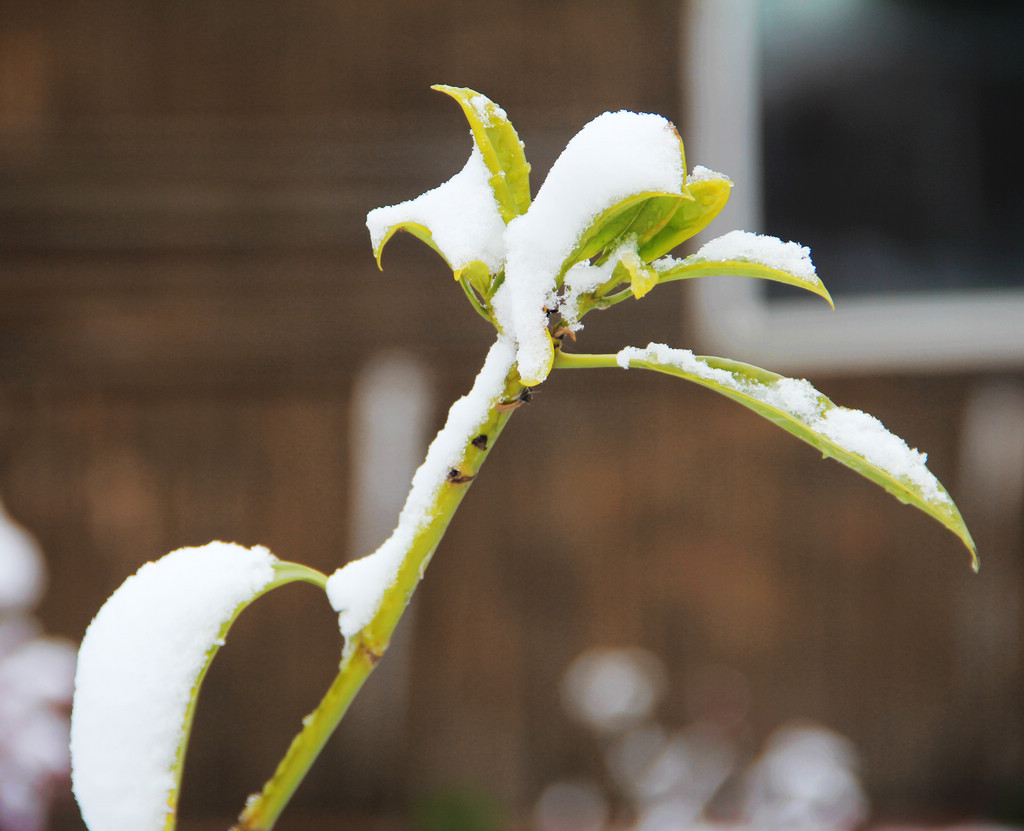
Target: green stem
<point>285,572</point>
<point>567,360</point>
<point>262,811</point>
<point>474,301</point>
<point>366,647</point>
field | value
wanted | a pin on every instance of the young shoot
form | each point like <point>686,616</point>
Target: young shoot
<point>600,231</point>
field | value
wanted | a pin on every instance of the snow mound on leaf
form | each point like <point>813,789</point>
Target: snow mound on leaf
<point>138,664</point>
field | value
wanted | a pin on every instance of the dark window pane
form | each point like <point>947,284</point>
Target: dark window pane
<point>892,135</point>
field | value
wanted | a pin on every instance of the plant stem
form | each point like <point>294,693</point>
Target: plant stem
<point>568,360</point>
<point>363,651</point>
<point>474,300</point>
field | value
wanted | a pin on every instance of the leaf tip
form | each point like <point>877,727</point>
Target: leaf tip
<point>973,549</point>
<point>447,89</point>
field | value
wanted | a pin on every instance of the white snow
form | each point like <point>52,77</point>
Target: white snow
<point>771,252</point>
<point>21,566</point>
<point>704,174</point>
<point>487,111</point>
<point>137,665</point>
<point>461,215</point>
<point>36,677</point>
<point>866,436</point>
<point>852,430</point>
<point>584,277</point>
<point>356,589</point>
<point>684,359</point>
<point>615,156</point>
<point>796,396</point>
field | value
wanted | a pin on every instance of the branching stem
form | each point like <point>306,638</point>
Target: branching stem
<point>362,654</point>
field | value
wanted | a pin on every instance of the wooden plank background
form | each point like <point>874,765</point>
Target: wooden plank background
<point>187,295</point>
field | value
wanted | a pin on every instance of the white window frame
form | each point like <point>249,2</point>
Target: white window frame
<point>941,331</point>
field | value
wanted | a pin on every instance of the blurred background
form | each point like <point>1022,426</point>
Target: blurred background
<point>195,344</point>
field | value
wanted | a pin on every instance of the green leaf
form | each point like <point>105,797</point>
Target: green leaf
<point>477,275</point>
<point>690,217</point>
<point>655,214</point>
<point>501,148</point>
<point>421,232</point>
<point>630,217</point>
<point>606,229</point>
<point>801,410</point>
<point>634,220</point>
<point>141,664</point>
<point>691,267</point>
<point>642,278</point>
<point>476,282</point>
<point>646,217</point>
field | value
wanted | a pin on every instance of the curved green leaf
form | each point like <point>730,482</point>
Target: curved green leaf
<point>633,216</point>
<point>606,229</point>
<point>641,216</point>
<point>688,268</point>
<point>501,148</point>
<point>655,214</point>
<point>708,197</point>
<point>475,280</point>
<point>140,668</point>
<point>477,275</point>
<point>418,230</point>
<point>851,437</point>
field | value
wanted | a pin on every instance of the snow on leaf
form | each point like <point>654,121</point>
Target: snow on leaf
<point>638,217</point>
<point>500,147</point>
<point>356,590</point>
<point>771,252</point>
<point>854,438</point>
<point>741,254</point>
<point>642,278</point>
<point>139,670</point>
<point>459,219</point>
<point>614,157</point>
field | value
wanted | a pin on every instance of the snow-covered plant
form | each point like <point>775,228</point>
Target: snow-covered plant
<point>36,674</point>
<point>599,232</point>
